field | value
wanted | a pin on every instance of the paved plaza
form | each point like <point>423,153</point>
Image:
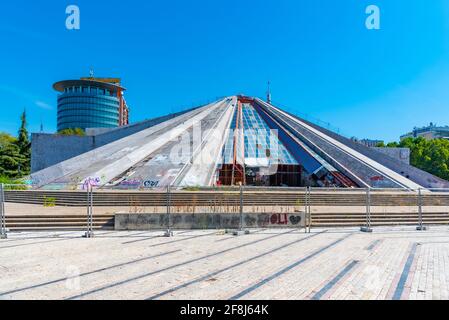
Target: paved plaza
<point>390,263</point>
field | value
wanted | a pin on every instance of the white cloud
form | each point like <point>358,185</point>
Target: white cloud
<point>44,105</point>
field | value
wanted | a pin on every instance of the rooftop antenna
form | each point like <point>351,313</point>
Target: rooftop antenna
<point>42,126</point>
<point>269,93</point>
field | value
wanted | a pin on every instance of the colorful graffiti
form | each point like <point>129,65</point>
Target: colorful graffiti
<point>91,182</point>
<point>133,183</point>
<point>151,184</point>
<point>285,219</point>
<point>280,219</point>
<point>147,221</point>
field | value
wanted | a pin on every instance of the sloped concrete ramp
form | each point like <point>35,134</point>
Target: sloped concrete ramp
<point>103,164</point>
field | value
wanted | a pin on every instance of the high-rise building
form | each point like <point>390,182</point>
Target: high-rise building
<point>370,142</point>
<point>91,103</point>
<point>430,132</point>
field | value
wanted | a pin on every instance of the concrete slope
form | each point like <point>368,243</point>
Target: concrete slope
<point>142,150</point>
<point>200,170</point>
<point>122,153</point>
<point>170,163</point>
<point>366,169</point>
<point>417,175</point>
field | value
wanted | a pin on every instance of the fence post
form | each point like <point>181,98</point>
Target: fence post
<point>91,216</point>
<point>241,207</point>
<point>306,206</point>
<point>168,232</point>
<point>89,233</point>
<point>310,208</point>
<point>3,231</point>
<point>307,210</point>
<point>367,228</point>
<point>421,227</point>
<point>241,230</point>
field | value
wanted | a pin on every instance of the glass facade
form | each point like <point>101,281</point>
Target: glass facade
<point>88,107</point>
<point>258,139</point>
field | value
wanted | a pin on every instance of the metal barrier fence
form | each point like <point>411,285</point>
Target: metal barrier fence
<point>90,212</point>
<point>3,234</point>
<point>238,209</point>
<point>46,214</point>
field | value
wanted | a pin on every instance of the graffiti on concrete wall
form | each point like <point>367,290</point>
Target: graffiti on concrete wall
<point>151,183</point>
<point>91,182</point>
<point>132,183</point>
<point>283,219</point>
<point>144,221</point>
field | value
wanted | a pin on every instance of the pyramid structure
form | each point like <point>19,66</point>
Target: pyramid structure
<point>236,140</point>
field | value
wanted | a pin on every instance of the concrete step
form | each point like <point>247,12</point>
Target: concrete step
<point>393,216</point>
<point>57,222</point>
<point>61,216</point>
<point>52,228</point>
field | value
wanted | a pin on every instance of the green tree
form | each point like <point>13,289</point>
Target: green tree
<point>428,155</point>
<point>72,132</point>
<point>6,139</point>
<point>6,156</point>
<point>15,154</point>
<point>24,145</point>
<point>12,161</point>
<point>392,145</point>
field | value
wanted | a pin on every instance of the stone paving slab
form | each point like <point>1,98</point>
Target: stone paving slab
<point>390,263</point>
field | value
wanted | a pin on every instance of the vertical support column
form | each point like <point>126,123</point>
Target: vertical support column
<point>239,142</point>
<point>367,228</point>
<point>168,232</point>
<point>3,231</point>
<point>421,226</point>
<point>90,220</point>
<point>121,107</point>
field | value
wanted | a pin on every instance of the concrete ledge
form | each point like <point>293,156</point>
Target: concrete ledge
<point>148,221</point>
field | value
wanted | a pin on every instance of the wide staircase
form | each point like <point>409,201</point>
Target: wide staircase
<point>436,213</point>
<point>57,222</point>
<point>323,220</point>
<point>209,198</point>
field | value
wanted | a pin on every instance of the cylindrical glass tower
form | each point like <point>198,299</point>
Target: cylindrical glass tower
<point>90,104</point>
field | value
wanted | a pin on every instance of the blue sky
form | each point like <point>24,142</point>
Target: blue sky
<point>318,55</point>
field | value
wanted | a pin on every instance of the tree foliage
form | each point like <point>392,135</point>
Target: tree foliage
<point>428,155</point>
<point>6,139</point>
<point>72,132</point>
<point>13,164</point>
<point>15,154</point>
<point>24,144</point>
